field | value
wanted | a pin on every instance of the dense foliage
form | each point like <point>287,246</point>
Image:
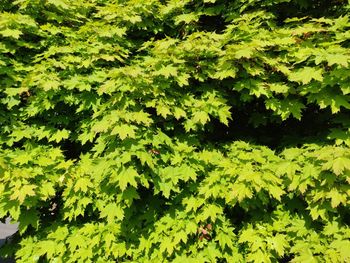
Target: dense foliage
<point>176,131</point>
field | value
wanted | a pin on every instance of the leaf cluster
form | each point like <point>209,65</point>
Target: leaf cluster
<point>175,131</point>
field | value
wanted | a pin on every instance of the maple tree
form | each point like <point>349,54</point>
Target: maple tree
<point>175,131</point>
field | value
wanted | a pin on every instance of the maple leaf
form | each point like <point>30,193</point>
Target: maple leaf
<point>279,243</point>
<point>47,189</point>
<point>247,235</point>
<point>244,52</point>
<point>225,240</point>
<point>75,241</point>
<point>241,191</point>
<point>211,211</point>
<point>340,164</point>
<point>30,218</point>
<point>127,177</point>
<point>23,192</point>
<point>186,18</point>
<point>165,188</point>
<point>345,88</point>
<point>59,135</point>
<point>163,110</point>
<point>130,194</point>
<point>336,198</point>
<point>15,33</point>
<point>47,247</point>
<point>167,246</point>
<point>276,191</point>
<point>182,79</point>
<point>23,158</point>
<point>134,19</point>
<point>82,184</point>
<point>51,84</point>
<point>167,71</point>
<point>178,113</point>
<point>305,75</point>
<point>279,87</point>
<point>201,117</point>
<point>124,131</point>
<point>112,212</point>
<point>340,59</point>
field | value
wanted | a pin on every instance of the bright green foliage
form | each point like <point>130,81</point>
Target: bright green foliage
<point>175,131</point>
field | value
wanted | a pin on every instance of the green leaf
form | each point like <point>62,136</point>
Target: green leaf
<point>29,218</point>
<point>241,191</point>
<point>340,59</point>
<point>59,3</point>
<point>225,240</point>
<point>201,117</point>
<point>60,135</point>
<point>186,18</point>
<point>163,110</point>
<point>340,164</point>
<point>47,247</point>
<point>134,19</point>
<point>83,184</point>
<point>14,33</point>
<point>247,235</point>
<point>130,194</point>
<point>279,88</point>
<point>181,236</point>
<point>24,191</point>
<point>127,177</point>
<point>285,107</point>
<point>75,241</point>
<point>167,71</point>
<point>178,113</point>
<point>276,191</point>
<point>166,188</point>
<point>279,243</point>
<point>306,74</point>
<point>51,85</point>
<point>211,211</point>
<point>112,212</point>
<point>47,190</point>
<point>244,52</point>
<point>336,198</point>
<point>124,131</point>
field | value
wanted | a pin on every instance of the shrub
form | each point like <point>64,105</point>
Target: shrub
<point>175,131</point>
